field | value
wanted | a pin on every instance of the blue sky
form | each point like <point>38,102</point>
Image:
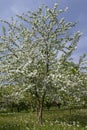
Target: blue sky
<point>77,12</point>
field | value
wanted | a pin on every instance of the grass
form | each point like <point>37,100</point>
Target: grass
<point>52,120</point>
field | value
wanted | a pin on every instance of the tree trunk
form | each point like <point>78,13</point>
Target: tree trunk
<point>40,107</point>
<point>40,110</point>
<point>40,115</point>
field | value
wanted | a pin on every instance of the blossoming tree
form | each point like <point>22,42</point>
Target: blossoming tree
<point>33,51</point>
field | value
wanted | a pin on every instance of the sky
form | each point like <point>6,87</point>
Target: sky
<point>77,12</point>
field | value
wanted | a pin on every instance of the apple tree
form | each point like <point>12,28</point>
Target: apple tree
<point>33,50</point>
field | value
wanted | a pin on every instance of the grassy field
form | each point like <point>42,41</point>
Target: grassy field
<point>52,120</point>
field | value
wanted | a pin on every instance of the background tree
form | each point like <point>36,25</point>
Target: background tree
<point>33,53</point>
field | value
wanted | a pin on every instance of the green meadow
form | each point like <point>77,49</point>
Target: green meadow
<point>52,120</point>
